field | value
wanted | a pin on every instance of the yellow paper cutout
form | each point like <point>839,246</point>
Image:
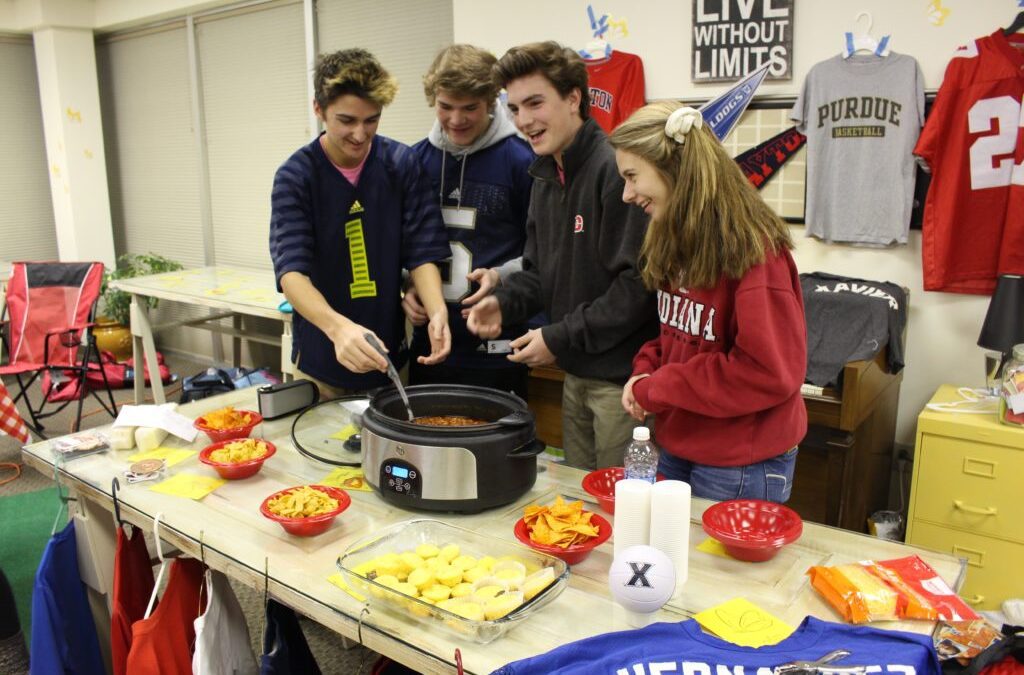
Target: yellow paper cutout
<point>346,431</point>
<point>170,455</point>
<point>339,581</point>
<point>188,485</point>
<point>743,623</point>
<point>347,478</point>
<point>714,547</point>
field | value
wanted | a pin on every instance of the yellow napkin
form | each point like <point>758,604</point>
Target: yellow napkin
<point>714,547</point>
<point>188,485</point>
<point>170,455</point>
<point>346,431</point>
<point>347,478</point>
<point>743,623</point>
<point>339,581</point>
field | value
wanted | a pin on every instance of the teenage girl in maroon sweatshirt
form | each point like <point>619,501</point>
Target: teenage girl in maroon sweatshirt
<point>723,377</point>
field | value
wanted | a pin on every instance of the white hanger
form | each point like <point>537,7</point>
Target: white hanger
<point>163,564</point>
<point>864,41</point>
<point>597,48</point>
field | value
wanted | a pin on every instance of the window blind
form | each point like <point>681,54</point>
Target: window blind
<point>405,37</point>
<point>27,227</point>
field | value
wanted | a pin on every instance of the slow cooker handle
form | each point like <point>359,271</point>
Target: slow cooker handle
<point>531,449</point>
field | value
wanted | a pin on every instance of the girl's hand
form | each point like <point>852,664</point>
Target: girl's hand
<point>629,403</point>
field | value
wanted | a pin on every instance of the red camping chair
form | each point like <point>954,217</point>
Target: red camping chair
<point>48,330</point>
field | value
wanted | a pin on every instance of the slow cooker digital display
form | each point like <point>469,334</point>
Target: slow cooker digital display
<point>401,477</point>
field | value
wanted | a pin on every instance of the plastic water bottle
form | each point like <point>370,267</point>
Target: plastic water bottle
<point>641,459</point>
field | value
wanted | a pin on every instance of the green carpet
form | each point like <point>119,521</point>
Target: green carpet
<point>25,523</point>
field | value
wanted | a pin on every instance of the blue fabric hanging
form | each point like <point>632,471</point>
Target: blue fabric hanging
<point>64,636</point>
<point>285,649</point>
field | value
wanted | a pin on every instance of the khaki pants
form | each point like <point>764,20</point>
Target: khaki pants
<point>327,391</point>
<point>595,428</point>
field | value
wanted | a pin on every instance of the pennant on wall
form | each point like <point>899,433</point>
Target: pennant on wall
<point>723,112</point>
<point>762,161</point>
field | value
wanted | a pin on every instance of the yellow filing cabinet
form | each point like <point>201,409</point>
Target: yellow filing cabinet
<point>966,498</point>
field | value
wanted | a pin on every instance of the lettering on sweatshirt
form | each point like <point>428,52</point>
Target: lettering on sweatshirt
<point>687,316</point>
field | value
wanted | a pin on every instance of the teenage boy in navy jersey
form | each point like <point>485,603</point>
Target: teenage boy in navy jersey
<point>580,261</point>
<point>349,211</point>
<point>478,170</point>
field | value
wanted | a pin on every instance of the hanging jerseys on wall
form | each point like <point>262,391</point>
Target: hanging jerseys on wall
<point>616,88</point>
<point>973,228</point>
<point>849,320</point>
<point>862,116</point>
<point>685,648</point>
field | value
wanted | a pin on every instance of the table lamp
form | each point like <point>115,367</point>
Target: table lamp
<point>1004,321</point>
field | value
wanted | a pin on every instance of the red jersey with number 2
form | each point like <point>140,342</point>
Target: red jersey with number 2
<point>974,215</point>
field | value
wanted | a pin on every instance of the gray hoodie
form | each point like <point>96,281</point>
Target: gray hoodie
<point>501,127</point>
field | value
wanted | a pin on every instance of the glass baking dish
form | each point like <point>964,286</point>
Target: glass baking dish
<point>406,536</point>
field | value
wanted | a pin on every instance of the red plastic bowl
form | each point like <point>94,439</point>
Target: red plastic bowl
<point>230,434</point>
<point>236,470</point>
<point>601,484</point>
<point>753,530</point>
<point>572,554</point>
<point>314,525</point>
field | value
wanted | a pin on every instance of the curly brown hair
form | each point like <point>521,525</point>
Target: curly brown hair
<point>715,222</point>
<point>352,71</point>
<point>562,67</point>
<point>463,71</point>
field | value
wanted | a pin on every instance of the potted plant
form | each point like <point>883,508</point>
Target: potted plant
<point>112,331</point>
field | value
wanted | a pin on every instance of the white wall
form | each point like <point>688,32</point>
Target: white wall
<point>659,32</point>
<point>943,328</point>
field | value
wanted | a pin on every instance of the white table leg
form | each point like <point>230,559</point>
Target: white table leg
<point>287,367</point>
<point>144,352</point>
<point>236,341</point>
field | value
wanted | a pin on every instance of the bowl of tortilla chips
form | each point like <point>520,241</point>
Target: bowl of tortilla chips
<point>227,423</point>
<point>562,529</point>
<point>306,510</point>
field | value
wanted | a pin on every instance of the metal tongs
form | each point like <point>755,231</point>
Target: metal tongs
<point>392,373</point>
<point>821,666</point>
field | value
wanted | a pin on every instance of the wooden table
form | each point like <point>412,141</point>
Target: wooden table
<point>237,292</point>
<point>240,542</point>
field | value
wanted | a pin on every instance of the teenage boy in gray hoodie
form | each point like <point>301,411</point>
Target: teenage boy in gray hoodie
<point>580,262</point>
<point>478,170</point>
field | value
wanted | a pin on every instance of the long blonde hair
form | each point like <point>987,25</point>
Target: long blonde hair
<point>715,223</point>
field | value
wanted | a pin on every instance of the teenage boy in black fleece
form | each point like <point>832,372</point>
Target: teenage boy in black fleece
<point>580,262</point>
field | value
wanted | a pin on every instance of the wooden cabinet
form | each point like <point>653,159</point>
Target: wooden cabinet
<point>965,498</point>
<point>845,461</point>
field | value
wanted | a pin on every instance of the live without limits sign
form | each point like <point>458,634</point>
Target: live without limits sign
<point>732,38</point>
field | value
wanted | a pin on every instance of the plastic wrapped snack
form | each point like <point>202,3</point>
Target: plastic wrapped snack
<point>904,588</point>
<point>855,593</point>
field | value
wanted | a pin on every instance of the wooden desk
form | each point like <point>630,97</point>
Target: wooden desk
<point>239,542</point>
<point>845,461</point>
<point>843,468</point>
<point>236,292</point>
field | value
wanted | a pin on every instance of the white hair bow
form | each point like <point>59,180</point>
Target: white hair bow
<point>681,121</point>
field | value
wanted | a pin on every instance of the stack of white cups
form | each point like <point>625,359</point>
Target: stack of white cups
<point>657,515</point>
<point>670,524</point>
<point>632,513</point>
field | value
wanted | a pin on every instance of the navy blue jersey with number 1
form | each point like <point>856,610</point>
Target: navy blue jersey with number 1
<point>353,242</point>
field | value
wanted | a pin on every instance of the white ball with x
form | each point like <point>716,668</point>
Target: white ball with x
<point>642,579</point>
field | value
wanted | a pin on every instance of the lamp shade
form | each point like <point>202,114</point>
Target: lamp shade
<point>1004,322</point>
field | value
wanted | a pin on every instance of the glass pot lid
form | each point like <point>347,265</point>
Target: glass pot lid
<point>324,430</point>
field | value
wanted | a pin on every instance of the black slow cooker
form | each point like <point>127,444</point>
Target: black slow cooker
<point>456,468</point>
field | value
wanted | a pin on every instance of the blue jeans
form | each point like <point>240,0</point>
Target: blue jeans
<point>771,479</point>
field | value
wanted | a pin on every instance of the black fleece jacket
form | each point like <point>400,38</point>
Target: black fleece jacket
<point>579,264</point>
